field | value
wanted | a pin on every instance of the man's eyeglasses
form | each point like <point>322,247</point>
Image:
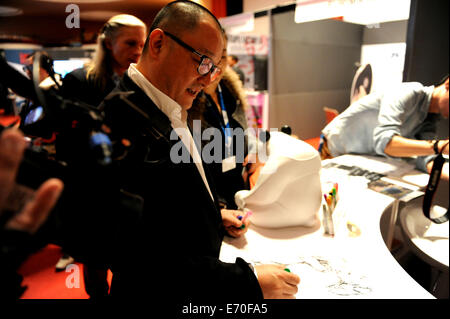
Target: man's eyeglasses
<point>205,66</point>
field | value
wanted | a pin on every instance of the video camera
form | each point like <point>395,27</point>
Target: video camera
<point>84,150</point>
<point>52,114</point>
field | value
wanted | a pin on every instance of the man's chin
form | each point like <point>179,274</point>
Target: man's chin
<point>186,107</point>
<point>187,102</point>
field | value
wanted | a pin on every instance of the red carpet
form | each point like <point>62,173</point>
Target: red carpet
<point>44,282</point>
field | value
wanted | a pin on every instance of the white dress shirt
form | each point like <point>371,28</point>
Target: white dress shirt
<point>174,112</point>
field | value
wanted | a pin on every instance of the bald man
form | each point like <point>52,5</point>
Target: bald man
<point>177,240</point>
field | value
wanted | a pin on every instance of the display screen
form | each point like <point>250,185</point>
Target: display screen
<point>34,115</point>
<point>62,67</point>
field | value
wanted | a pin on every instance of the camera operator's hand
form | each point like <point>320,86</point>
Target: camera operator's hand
<point>12,146</point>
<point>34,212</point>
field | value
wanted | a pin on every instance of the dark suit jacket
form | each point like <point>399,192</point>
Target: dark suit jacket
<point>77,86</point>
<point>230,182</point>
<point>176,243</point>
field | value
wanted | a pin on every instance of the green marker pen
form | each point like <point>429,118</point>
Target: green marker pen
<point>247,214</point>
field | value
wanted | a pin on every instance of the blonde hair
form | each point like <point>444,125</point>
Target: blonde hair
<point>100,69</point>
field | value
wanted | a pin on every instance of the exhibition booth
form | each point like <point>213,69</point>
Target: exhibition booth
<point>352,226</point>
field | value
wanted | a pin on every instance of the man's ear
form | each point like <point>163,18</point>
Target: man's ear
<point>156,42</point>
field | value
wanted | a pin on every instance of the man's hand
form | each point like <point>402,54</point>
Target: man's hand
<point>276,283</point>
<point>251,164</point>
<point>233,225</point>
<point>443,146</point>
<point>400,146</point>
<point>34,212</point>
<point>444,173</point>
<point>445,170</point>
<point>12,146</point>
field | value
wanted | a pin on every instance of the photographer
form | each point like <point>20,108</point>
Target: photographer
<point>17,230</point>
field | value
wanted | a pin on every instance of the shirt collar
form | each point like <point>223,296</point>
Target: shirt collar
<point>167,105</point>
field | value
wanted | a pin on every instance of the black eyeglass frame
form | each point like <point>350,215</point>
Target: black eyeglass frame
<point>214,69</point>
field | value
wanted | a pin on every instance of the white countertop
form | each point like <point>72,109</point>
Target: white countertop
<point>343,266</point>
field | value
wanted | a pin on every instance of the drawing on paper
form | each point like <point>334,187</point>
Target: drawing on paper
<point>327,276</point>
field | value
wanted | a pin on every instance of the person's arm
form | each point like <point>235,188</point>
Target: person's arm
<point>276,282</point>
<point>209,274</point>
<point>400,146</point>
<point>251,164</point>
<point>34,212</point>
<point>16,241</point>
<point>234,225</point>
<point>396,109</point>
<point>12,146</point>
<point>444,172</point>
<point>403,147</point>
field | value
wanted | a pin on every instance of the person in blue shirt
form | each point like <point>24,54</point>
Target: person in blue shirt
<point>399,123</point>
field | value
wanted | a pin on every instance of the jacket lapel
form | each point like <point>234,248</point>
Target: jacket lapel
<point>162,124</point>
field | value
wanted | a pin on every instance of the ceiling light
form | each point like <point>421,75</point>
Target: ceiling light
<point>78,1</point>
<point>363,12</point>
<point>9,11</point>
<point>98,15</point>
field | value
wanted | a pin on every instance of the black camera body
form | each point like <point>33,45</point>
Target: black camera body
<point>77,138</point>
<point>52,115</point>
<point>93,204</point>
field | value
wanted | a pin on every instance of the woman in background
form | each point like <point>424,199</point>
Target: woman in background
<point>119,43</point>
<point>222,105</point>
